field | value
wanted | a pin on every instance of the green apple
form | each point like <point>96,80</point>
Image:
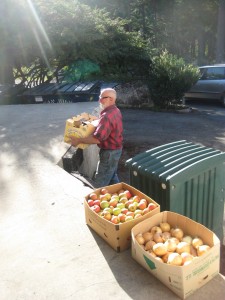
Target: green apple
<point>116,211</point>
<point>128,218</point>
<point>109,209</point>
<point>121,205</point>
<point>104,204</point>
<point>132,207</point>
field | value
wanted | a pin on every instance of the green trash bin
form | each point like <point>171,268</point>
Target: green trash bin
<point>183,177</point>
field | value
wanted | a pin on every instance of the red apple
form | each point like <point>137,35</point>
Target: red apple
<point>142,205</point>
<point>128,203</point>
<point>151,206</point>
<point>136,198</point>
<point>96,208</point>
<point>103,191</point>
<point>113,202</point>
<point>124,210</point>
<point>145,210</point>
<point>97,202</point>
<point>93,196</point>
<point>128,194</point>
<point>144,200</point>
<point>90,202</point>
<point>130,213</point>
<point>115,219</point>
<point>122,217</point>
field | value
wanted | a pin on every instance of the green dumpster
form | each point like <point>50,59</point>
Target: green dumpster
<point>183,177</point>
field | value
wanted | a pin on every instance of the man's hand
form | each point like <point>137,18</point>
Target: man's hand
<point>74,141</point>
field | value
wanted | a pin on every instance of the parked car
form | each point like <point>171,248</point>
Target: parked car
<point>211,84</point>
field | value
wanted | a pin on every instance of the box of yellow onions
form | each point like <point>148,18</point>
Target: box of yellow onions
<point>180,252</point>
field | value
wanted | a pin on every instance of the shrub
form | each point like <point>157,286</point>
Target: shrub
<point>170,78</point>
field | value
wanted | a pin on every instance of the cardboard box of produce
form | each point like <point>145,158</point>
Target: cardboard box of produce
<point>185,279</point>
<point>80,126</point>
<point>118,234</point>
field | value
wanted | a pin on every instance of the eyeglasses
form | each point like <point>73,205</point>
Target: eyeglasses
<point>104,97</point>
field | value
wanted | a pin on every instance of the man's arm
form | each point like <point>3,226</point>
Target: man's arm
<point>85,140</point>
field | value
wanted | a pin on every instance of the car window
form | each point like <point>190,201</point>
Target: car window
<point>213,73</point>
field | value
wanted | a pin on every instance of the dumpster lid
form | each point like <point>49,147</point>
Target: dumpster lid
<point>175,159</point>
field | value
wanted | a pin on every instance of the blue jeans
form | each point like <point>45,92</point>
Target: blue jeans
<point>106,173</point>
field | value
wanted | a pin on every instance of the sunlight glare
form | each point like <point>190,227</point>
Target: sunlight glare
<point>40,26</point>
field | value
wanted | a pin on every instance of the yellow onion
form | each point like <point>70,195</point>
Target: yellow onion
<point>157,237</point>
<point>171,245</point>
<point>160,249</point>
<point>183,247</point>
<point>187,239</point>
<point>155,229</point>
<point>202,249</point>
<point>149,245</point>
<point>140,239</point>
<point>174,259</point>
<point>159,259</point>
<point>166,235</point>
<point>177,233</point>
<point>164,226</point>
<point>193,251</point>
<point>147,236</point>
<point>186,258</point>
<point>196,242</point>
<point>175,240</point>
<point>165,257</point>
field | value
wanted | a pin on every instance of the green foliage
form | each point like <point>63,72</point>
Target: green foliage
<point>170,77</point>
<point>81,70</point>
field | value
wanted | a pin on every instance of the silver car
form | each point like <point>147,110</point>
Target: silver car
<point>211,84</point>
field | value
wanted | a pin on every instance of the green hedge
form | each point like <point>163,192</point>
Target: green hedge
<point>170,78</point>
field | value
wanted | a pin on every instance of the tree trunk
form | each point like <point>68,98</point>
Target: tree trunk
<point>220,45</point>
<point>6,66</point>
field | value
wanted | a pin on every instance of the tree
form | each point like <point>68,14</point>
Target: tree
<point>58,33</point>
<point>220,43</point>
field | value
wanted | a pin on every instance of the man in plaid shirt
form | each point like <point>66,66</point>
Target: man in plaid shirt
<point>108,135</point>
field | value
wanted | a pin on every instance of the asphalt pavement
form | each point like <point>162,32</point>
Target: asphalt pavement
<point>47,250</point>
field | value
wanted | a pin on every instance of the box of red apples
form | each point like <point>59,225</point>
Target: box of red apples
<point>113,210</point>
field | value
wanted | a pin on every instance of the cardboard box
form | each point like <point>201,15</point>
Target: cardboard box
<point>182,280</point>
<point>80,126</point>
<point>118,236</point>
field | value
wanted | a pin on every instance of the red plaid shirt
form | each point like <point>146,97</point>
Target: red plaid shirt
<point>110,129</point>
